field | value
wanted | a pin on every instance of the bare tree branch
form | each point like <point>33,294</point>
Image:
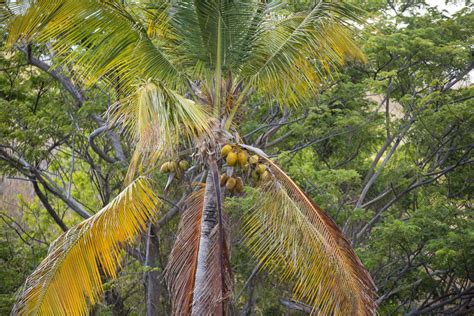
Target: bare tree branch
<point>48,206</point>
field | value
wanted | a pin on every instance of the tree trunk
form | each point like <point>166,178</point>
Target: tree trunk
<point>115,301</point>
<point>209,220</point>
<point>152,278</point>
<point>251,300</point>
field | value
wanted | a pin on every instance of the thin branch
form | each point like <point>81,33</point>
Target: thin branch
<point>96,148</point>
<point>48,206</point>
<point>75,92</point>
<point>413,186</point>
<point>249,279</point>
<point>35,174</point>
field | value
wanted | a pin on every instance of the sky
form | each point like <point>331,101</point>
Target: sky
<point>451,8</point>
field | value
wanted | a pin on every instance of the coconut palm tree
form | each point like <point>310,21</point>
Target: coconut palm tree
<point>183,71</point>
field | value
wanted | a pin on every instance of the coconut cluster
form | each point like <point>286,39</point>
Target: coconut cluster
<point>233,184</point>
<point>174,166</point>
<point>236,156</point>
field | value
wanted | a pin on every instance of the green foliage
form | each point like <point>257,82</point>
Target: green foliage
<point>21,251</point>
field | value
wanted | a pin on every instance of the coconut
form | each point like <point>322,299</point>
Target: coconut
<point>183,165</point>
<point>231,159</point>
<point>253,159</point>
<point>239,186</point>
<point>265,175</point>
<point>226,150</point>
<point>242,157</point>
<point>260,168</point>
<point>224,178</point>
<point>230,184</point>
<point>165,168</point>
<point>173,166</point>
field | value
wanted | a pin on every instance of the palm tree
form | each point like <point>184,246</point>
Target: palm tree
<point>183,71</point>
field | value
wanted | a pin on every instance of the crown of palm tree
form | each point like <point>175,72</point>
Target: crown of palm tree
<point>181,71</point>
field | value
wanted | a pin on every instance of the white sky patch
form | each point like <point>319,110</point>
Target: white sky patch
<point>450,7</point>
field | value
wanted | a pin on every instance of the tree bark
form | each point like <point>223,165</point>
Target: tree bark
<point>371,180</point>
<point>209,220</point>
<point>152,278</point>
<point>48,206</point>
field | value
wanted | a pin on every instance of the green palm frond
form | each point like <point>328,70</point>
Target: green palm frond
<point>199,23</point>
<point>99,39</point>
<point>291,57</point>
<point>160,121</point>
<point>294,238</point>
<point>158,22</point>
<point>69,280</point>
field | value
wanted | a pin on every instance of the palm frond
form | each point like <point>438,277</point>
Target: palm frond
<point>182,265</point>
<point>216,281</point>
<point>96,38</point>
<point>159,120</point>
<point>158,21</point>
<point>181,268</point>
<point>9,8</point>
<point>69,280</point>
<point>291,57</point>
<point>197,25</point>
<point>293,237</point>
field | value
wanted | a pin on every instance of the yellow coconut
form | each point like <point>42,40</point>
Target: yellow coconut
<point>260,168</point>
<point>253,159</point>
<point>173,166</point>
<point>226,150</point>
<point>183,165</point>
<point>265,175</point>
<point>165,168</point>
<point>231,159</point>
<point>242,157</point>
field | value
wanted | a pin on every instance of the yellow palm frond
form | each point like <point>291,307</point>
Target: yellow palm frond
<point>97,39</point>
<point>69,280</point>
<point>293,56</point>
<point>160,121</point>
<point>293,237</point>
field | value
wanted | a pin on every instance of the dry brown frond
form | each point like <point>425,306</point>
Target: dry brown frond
<point>292,236</point>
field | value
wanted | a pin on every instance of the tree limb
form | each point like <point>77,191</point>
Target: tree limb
<point>48,206</point>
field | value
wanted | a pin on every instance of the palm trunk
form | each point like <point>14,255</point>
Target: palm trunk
<point>152,278</point>
<point>209,220</point>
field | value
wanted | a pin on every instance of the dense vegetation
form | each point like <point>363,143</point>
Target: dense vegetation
<point>385,148</point>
